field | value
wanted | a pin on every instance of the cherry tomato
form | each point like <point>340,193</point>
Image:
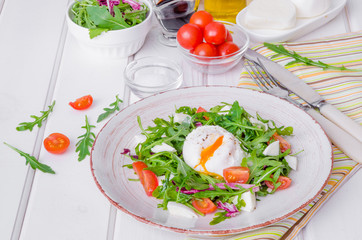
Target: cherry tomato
<point>201,109</point>
<point>56,143</point>
<point>150,181</point>
<point>82,103</point>
<point>204,205</point>
<point>227,48</point>
<point>215,33</point>
<point>189,36</point>
<point>201,19</point>
<point>206,50</point>
<point>284,145</point>
<point>229,38</point>
<point>285,182</point>
<point>236,174</point>
<point>138,168</point>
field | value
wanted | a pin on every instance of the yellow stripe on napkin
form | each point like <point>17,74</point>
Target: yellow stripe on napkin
<point>340,88</point>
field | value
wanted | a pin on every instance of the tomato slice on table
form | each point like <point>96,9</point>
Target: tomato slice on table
<point>285,183</point>
<point>56,143</point>
<point>236,174</point>
<point>204,205</point>
<point>284,145</point>
<point>82,103</point>
<point>150,181</point>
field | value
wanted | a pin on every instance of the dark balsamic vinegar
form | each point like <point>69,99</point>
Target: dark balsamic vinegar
<point>174,14</point>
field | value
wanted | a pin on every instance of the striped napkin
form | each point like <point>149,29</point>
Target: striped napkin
<point>341,89</point>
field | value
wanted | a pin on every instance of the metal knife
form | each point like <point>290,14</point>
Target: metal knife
<point>308,94</point>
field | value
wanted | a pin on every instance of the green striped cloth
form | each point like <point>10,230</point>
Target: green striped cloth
<point>343,90</point>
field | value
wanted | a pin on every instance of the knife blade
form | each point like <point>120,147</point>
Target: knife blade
<point>308,94</point>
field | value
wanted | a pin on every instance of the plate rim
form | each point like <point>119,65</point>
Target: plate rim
<point>208,232</point>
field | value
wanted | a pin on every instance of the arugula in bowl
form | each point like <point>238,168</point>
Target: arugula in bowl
<point>98,17</point>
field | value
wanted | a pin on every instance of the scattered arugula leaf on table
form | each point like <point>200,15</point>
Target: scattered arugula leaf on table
<point>281,50</point>
<point>109,111</point>
<point>34,163</point>
<point>38,120</point>
<point>86,141</point>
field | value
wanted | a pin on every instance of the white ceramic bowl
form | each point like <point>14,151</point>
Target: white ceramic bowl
<point>115,43</point>
<point>314,160</point>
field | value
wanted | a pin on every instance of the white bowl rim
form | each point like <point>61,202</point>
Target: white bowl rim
<point>212,233</point>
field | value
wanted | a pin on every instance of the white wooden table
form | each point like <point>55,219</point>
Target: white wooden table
<point>41,62</point>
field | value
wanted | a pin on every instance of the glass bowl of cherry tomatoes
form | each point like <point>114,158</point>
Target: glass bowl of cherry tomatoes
<point>212,47</point>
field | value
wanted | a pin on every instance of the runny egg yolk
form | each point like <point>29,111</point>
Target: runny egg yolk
<point>208,152</point>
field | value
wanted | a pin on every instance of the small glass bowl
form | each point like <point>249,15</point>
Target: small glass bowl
<point>149,75</point>
<point>217,65</point>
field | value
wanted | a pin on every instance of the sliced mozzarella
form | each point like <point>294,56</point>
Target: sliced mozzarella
<point>163,148</point>
<point>179,209</point>
<point>249,199</point>
<point>180,117</point>
<point>270,14</point>
<point>292,161</point>
<point>139,139</point>
<point>272,149</point>
<point>311,8</point>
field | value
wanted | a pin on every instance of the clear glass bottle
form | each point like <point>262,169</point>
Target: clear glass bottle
<point>225,10</point>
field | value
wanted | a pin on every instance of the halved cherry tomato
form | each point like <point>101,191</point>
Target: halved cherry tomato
<point>138,168</point>
<point>285,182</point>
<point>284,145</point>
<point>201,109</point>
<point>150,181</point>
<point>215,33</point>
<point>206,50</point>
<point>201,18</point>
<point>189,36</point>
<point>82,103</point>
<point>56,143</point>
<point>227,48</point>
<point>204,205</point>
<point>236,174</point>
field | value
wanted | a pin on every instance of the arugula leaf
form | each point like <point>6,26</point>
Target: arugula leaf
<point>280,50</point>
<point>32,161</point>
<point>86,141</point>
<point>109,111</point>
<point>219,217</point>
<point>38,120</point>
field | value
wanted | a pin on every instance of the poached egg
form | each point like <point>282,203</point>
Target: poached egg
<point>210,149</point>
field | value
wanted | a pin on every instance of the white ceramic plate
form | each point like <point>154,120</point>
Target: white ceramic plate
<point>302,27</point>
<point>314,163</point>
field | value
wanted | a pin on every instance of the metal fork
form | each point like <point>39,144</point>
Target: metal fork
<point>267,83</point>
<point>343,140</point>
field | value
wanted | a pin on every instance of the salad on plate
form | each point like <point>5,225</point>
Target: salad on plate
<point>218,161</point>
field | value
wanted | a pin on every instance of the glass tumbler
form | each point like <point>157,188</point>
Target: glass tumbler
<point>173,14</point>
